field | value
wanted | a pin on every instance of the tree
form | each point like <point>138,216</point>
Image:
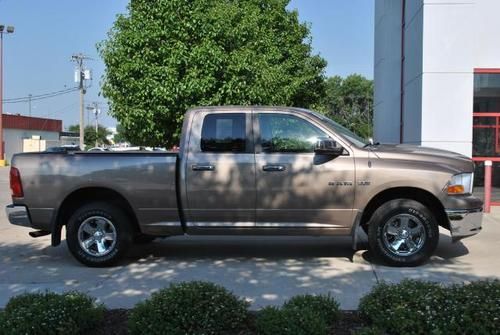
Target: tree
<point>166,56</point>
<point>349,101</point>
<point>90,135</point>
<point>120,135</point>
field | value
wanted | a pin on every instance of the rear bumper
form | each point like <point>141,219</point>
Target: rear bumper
<point>18,215</point>
<point>464,222</point>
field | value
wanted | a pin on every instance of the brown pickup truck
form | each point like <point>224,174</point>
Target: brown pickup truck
<point>249,171</point>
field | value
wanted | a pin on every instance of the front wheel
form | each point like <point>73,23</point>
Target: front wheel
<point>98,234</point>
<point>403,232</point>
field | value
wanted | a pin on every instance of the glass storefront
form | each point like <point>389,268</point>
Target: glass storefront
<point>486,130</point>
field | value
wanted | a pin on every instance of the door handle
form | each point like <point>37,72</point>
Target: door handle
<point>204,167</point>
<point>274,168</point>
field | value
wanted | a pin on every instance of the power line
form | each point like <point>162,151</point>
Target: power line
<point>40,96</point>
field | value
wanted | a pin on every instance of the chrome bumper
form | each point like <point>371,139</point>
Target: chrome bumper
<point>464,222</point>
<point>18,215</point>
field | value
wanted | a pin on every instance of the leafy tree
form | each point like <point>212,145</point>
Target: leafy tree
<point>165,56</point>
<point>349,101</point>
<point>120,135</point>
<point>90,135</point>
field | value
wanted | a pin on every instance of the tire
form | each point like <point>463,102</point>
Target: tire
<point>104,228</point>
<point>403,232</point>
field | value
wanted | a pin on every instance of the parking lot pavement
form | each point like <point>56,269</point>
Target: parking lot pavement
<point>266,270</point>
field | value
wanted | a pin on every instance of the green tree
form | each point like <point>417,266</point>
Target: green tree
<point>165,56</point>
<point>349,101</point>
<point>120,135</point>
<point>90,135</point>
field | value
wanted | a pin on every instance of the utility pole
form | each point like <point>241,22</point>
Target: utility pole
<point>81,75</point>
<point>94,107</point>
<point>97,111</point>
<point>29,103</point>
<point>9,30</point>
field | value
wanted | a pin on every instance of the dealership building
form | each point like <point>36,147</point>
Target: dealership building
<point>437,77</point>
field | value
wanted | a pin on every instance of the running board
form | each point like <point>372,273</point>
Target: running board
<point>39,233</point>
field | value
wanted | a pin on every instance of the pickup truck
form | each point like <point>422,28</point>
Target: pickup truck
<point>249,171</point>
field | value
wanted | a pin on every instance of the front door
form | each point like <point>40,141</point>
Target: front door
<point>296,188</point>
<point>220,173</point>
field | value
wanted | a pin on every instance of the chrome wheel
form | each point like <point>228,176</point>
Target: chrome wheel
<point>97,236</point>
<point>404,234</point>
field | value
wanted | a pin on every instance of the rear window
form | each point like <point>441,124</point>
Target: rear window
<point>224,133</point>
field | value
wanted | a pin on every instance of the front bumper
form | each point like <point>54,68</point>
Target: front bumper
<point>18,215</point>
<point>464,222</point>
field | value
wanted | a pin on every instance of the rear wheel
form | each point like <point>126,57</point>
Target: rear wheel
<point>98,234</point>
<point>403,232</point>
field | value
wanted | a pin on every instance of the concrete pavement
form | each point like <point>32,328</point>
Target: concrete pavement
<point>266,270</point>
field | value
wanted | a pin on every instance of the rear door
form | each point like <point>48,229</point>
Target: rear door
<point>220,173</point>
<point>296,188</point>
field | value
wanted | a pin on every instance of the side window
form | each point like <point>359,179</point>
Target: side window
<point>223,132</point>
<point>287,133</point>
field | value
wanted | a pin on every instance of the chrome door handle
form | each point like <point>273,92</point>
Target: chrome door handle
<point>204,167</point>
<point>274,168</point>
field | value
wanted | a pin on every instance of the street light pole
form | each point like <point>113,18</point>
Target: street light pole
<point>9,30</point>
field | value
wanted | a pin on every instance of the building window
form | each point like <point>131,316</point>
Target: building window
<point>486,128</point>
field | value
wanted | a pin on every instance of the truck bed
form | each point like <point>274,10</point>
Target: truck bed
<point>147,180</point>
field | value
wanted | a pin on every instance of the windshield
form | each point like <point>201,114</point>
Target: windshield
<point>341,130</point>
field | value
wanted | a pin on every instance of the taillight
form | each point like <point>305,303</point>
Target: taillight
<point>15,183</point>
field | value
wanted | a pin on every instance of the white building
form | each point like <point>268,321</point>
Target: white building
<point>23,133</point>
<point>430,76</point>
<point>437,76</point>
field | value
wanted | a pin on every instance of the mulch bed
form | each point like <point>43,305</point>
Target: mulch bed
<point>115,323</point>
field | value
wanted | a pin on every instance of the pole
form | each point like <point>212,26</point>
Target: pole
<point>96,129</point>
<point>487,186</point>
<point>82,92</point>
<point>78,59</point>
<point>82,142</point>
<point>2,156</point>
<point>29,104</point>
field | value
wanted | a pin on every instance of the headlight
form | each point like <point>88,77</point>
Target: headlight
<point>461,184</point>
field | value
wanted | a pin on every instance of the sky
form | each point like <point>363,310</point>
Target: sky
<point>37,56</point>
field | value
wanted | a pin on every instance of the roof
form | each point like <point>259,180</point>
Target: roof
<point>30,123</point>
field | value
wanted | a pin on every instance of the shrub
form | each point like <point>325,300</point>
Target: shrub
<point>189,308</point>
<point>323,305</point>
<point>50,313</point>
<point>301,315</point>
<point>427,308</point>
<point>369,331</point>
<point>271,321</point>
<point>292,321</point>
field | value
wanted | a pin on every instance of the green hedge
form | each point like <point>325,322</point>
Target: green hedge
<point>190,308</point>
<point>50,313</point>
<point>419,307</point>
<point>301,315</point>
<point>410,307</point>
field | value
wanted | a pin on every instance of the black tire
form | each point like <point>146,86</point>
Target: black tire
<point>106,218</point>
<point>403,232</point>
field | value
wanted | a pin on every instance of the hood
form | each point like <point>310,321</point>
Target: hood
<point>450,159</point>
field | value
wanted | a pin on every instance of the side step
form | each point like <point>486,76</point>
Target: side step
<point>39,233</point>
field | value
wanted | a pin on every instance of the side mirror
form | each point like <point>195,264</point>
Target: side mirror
<point>328,147</point>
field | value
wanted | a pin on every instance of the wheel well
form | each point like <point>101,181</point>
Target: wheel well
<point>86,195</point>
<point>424,197</point>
